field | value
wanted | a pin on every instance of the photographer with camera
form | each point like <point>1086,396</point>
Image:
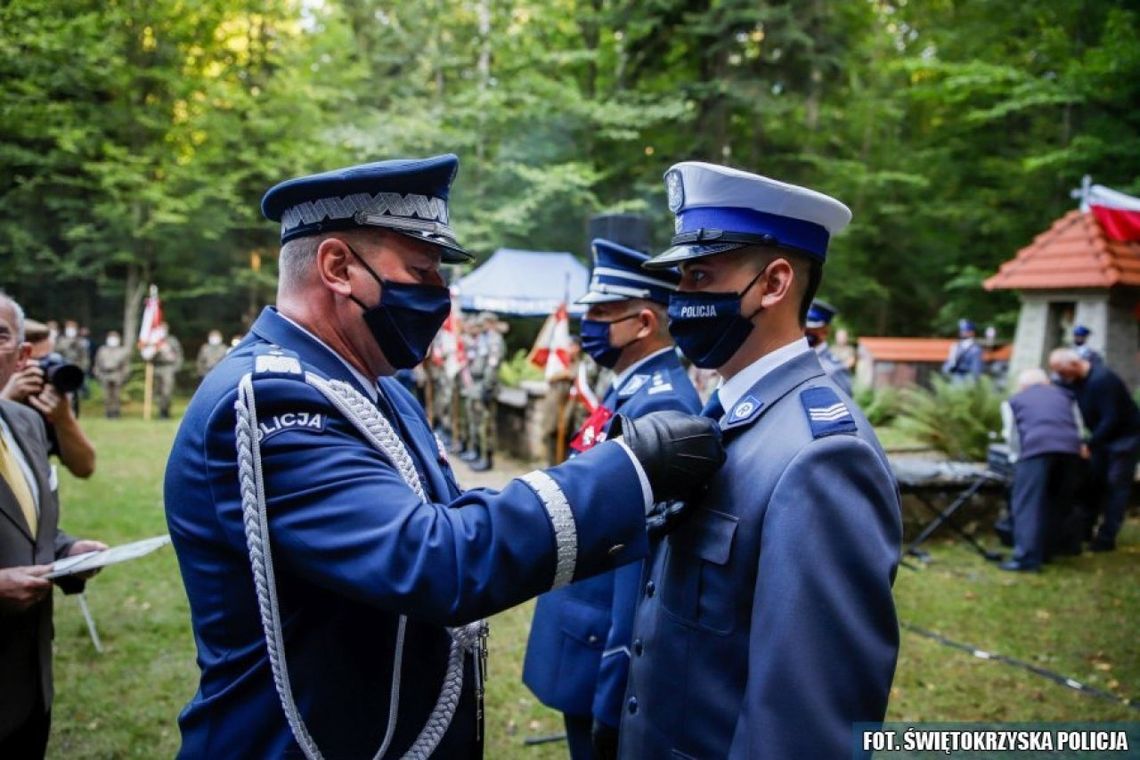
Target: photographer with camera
<point>43,380</point>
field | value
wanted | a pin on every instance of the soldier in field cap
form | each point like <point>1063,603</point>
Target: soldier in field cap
<point>336,572</point>
<point>766,626</point>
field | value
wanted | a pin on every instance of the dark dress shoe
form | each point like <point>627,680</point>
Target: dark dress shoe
<point>1014,566</point>
<point>1102,545</point>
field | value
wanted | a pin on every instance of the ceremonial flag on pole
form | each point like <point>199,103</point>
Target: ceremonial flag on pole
<point>1116,213</point>
<point>551,350</point>
<point>582,390</point>
<point>150,330</point>
<point>449,351</point>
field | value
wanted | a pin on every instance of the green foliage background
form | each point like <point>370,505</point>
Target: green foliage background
<point>136,137</point>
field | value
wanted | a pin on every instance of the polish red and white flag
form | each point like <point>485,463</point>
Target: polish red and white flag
<point>551,351</point>
<point>151,331</point>
<point>1116,213</point>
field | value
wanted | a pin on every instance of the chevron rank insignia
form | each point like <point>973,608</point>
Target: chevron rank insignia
<point>746,410</point>
<point>826,412</point>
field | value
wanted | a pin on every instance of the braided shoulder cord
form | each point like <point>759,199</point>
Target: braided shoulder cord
<point>378,431</point>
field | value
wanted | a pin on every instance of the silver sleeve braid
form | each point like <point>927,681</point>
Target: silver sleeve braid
<point>378,431</point>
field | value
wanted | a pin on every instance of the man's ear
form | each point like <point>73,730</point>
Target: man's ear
<point>779,283</point>
<point>23,353</point>
<point>332,266</point>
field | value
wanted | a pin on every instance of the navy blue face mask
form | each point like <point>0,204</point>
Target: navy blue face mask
<point>596,340</point>
<point>407,318</point>
<point>708,327</point>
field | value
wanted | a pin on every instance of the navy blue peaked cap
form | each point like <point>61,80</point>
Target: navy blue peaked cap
<point>405,195</point>
<point>618,275</point>
<point>820,314</point>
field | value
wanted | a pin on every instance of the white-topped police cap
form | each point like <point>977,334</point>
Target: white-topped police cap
<point>721,209</point>
<point>405,195</point>
<point>820,314</point>
<point>618,276</point>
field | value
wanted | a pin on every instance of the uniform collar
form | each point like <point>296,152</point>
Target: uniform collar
<point>277,328</point>
<point>732,390</point>
<point>629,371</point>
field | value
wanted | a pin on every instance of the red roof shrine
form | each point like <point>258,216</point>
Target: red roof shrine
<point>1073,253</point>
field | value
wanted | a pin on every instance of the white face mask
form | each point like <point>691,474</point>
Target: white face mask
<point>215,340</point>
<point>71,332</point>
<point>113,341</point>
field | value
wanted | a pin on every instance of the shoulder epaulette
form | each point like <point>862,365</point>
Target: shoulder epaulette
<point>274,361</point>
<point>827,413</point>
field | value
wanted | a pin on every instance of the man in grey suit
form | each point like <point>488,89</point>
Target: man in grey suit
<point>766,626</point>
<point>30,540</point>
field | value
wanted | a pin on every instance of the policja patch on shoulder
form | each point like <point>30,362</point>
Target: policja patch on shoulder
<point>826,412</point>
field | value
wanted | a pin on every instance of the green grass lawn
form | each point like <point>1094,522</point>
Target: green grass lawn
<point>1078,618</point>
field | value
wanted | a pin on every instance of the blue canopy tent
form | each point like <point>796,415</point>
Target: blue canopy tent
<point>525,283</point>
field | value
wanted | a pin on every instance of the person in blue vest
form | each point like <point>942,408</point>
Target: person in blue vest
<point>577,656</point>
<point>1081,345</point>
<point>1043,426</point>
<point>335,570</point>
<point>766,626</point>
<point>817,326</point>
<point>964,363</point>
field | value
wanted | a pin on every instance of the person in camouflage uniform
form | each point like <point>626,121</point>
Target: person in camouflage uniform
<point>168,360</point>
<point>211,352</point>
<point>112,368</point>
<point>485,358</point>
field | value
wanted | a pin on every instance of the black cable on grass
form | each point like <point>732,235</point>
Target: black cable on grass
<point>1053,676</point>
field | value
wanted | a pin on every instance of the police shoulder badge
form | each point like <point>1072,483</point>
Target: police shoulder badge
<point>827,413</point>
<point>675,189</point>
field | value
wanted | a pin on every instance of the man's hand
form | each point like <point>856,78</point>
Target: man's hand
<point>85,546</point>
<point>24,382</point>
<point>679,452</point>
<point>1085,452</point>
<point>21,587</point>
<point>52,404</point>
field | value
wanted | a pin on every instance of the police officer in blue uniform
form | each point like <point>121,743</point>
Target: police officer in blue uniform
<point>1081,345</point>
<point>816,329</point>
<point>964,363</point>
<point>336,572</point>
<point>578,654</point>
<point>766,626</point>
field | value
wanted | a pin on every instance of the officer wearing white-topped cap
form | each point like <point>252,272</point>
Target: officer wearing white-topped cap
<point>766,627</point>
<point>335,570</point>
<point>817,326</point>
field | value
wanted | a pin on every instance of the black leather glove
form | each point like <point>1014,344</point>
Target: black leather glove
<point>605,741</point>
<point>665,516</point>
<point>679,452</point>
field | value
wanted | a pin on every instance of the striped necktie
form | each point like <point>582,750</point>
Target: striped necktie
<point>14,477</point>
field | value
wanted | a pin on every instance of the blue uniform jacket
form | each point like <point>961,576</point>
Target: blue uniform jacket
<point>965,360</point>
<point>353,548</point>
<point>766,625</point>
<point>577,657</point>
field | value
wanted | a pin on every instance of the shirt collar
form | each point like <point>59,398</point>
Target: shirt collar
<point>732,390</point>
<point>820,347</point>
<point>370,386</point>
<point>619,381</point>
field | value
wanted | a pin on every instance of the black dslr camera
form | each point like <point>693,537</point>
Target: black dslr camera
<point>65,377</point>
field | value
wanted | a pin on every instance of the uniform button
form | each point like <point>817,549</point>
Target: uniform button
<point>638,647</point>
<point>616,548</point>
<point>593,639</point>
<point>650,588</point>
<point>632,706</point>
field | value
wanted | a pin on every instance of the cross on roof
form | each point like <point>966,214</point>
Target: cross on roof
<point>1082,193</point>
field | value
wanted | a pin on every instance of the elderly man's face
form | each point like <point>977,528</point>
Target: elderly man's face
<point>12,351</point>
<point>1068,371</point>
